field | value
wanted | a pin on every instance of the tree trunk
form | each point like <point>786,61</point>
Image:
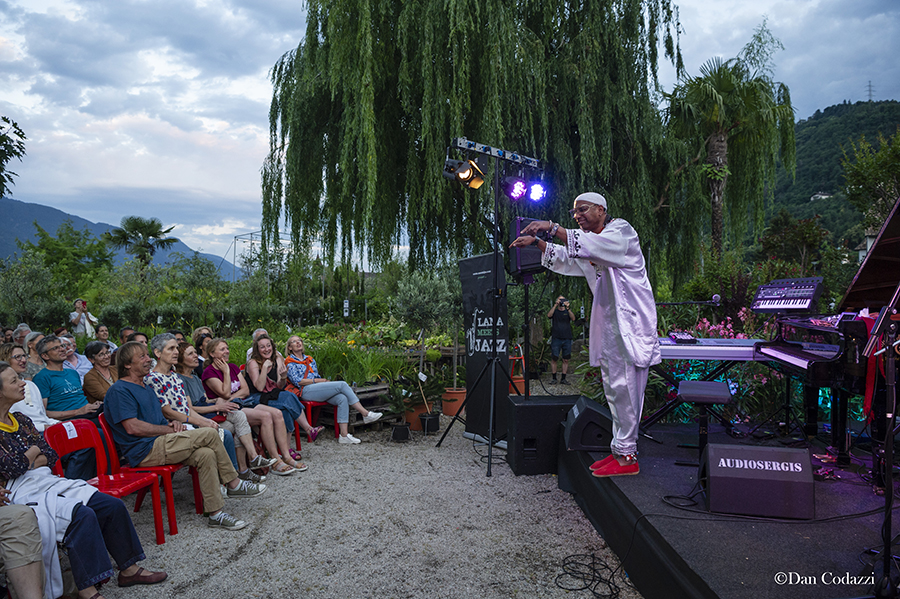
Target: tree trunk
<point>717,176</point>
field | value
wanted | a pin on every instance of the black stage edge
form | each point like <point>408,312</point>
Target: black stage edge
<point>668,552</point>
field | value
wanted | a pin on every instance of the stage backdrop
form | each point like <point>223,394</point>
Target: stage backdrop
<point>477,280</point>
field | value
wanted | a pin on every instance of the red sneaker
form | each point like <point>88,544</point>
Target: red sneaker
<point>613,468</point>
<point>603,462</point>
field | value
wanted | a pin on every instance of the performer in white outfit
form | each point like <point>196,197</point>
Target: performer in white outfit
<point>623,341</point>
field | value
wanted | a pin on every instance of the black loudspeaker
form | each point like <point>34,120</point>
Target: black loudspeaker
<point>523,261</point>
<point>534,426</point>
<point>774,482</point>
<point>588,426</point>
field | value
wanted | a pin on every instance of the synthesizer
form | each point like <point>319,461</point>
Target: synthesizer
<point>788,296</point>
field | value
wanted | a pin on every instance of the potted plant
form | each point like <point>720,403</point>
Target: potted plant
<point>452,398</point>
<point>396,402</point>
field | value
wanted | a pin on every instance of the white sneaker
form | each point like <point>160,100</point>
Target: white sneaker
<point>372,417</point>
<point>349,439</point>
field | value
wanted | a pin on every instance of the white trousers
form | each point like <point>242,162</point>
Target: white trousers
<point>624,385</point>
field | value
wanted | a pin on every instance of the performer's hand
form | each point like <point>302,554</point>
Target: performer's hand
<point>523,241</point>
<point>538,226</point>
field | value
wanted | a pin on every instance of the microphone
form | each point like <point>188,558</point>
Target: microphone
<point>716,298</point>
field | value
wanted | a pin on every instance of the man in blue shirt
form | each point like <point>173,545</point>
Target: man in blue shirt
<point>64,400</point>
<point>147,439</point>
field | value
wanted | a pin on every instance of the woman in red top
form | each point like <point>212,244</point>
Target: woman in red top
<point>221,379</point>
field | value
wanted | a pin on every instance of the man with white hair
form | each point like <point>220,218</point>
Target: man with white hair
<point>20,333</point>
<point>624,343</point>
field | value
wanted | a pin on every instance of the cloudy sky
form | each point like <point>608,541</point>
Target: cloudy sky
<point>160,108</point>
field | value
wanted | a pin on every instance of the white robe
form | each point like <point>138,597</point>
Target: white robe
<point>623,314</point>
<point>623,342</point>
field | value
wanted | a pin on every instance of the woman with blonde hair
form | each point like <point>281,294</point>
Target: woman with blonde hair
<point>222,380</point>
<point>305,382</point>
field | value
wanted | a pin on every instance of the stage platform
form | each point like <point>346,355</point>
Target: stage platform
<point>670,552</point>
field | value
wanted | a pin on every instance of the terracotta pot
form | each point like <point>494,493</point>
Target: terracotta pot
<point>519,384</point>
<point>452,400</point>
<point>412,417</point>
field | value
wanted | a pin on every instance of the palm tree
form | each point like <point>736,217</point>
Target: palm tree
<point>741,120</point>
<point>141,237</point>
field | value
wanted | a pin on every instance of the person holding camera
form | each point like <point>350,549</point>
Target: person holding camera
<point>560,337</point>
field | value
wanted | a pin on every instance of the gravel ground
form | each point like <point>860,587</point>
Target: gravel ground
<point>380,519</point>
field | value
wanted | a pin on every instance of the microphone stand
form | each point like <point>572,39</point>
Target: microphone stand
<point>886,326</point>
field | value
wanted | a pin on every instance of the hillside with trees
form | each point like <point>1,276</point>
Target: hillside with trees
<point>822,141</point>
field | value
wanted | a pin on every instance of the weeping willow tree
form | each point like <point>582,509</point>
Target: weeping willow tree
<point>364,108</point>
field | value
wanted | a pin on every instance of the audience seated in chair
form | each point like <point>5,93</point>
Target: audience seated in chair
<point>228,414</point>
<point>266,377</point>
<point>33,405</point>
<point>176,404</point>
<point>93,525</point>
<point>64,400</point>
<point>101,377</point>
<point>304,381</point>
<point>145,438</point>
<point>223,381</point>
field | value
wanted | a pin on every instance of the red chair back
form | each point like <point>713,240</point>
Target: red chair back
<point>73,435</point>
<point>114,464</point>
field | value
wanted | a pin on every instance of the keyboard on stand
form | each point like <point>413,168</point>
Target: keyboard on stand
<point>788,296</point>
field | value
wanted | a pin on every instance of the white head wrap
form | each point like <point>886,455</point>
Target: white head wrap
<point>592,198</point>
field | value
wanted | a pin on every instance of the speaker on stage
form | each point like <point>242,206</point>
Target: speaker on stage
<point>774,482</point>
<point>525,260</point>
<point>588,426</point>
<point>534,426</point>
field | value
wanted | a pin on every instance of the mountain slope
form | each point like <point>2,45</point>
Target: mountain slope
<point>18,219</point>
<point>821,142</point>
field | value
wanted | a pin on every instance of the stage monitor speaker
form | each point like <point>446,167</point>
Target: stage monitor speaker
<point>534,427</point>
<point>526,260</point>
<point>588,426</point>
<point>774,482</point>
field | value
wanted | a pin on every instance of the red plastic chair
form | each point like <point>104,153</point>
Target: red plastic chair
<point>164,472</point>
<point>313,408</point>
<point>66,437</point>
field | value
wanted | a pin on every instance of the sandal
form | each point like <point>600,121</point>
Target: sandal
<point>295,455</point>
<point>299,466</point>
<point>314,432</point>
<point>282,468</point>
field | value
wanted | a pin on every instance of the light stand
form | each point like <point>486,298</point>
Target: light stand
<point>497,291</point>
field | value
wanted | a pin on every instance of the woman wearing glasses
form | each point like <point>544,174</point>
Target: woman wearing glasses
<point>32,406</point>
<point>100,378</point>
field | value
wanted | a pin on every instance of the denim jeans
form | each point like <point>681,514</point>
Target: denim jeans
<point>228,442</point>
<point>98,530</point>
<point>337,393</point>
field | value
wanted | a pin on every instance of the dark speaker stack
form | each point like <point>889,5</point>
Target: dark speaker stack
<point>534,426</point>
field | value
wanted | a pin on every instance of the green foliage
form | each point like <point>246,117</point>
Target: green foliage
<point>12,145</point>
<point>800,241</point>
<point>423,300</point>
<point>28,293</point>
<point>873,178</point>
<point>824,140</point>
<point>363,110</point>
<point>141,237</point>
<point>76,258</point>
<point>738,121</point>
